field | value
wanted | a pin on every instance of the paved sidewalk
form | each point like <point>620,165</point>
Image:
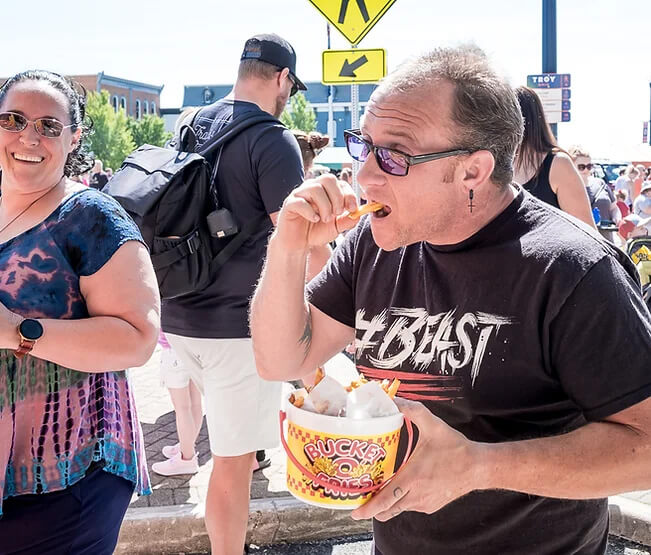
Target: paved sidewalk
<point>171,519</point>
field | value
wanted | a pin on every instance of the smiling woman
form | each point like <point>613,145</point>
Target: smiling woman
<point>78,303</point>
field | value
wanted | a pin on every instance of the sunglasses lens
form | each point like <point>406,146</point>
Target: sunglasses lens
<point>392,162</point>
<point>356,148</point>
<point>588,166</point>
<point>49,128</point>
<point>12,122</point>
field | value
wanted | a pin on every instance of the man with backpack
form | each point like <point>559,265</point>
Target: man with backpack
<point>209,328</point>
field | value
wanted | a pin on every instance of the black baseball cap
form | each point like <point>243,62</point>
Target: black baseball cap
<point>274,50</point>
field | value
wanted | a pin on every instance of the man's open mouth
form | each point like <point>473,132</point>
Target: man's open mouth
<point>382,212</point>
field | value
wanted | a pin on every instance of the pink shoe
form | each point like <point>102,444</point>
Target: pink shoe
<point>170,451</point>
<point>176,465</point>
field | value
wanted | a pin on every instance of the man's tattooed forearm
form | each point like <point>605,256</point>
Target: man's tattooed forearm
<point>306,338</point>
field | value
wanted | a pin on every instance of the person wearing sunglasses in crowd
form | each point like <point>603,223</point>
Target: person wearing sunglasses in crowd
<point>78,302</point>
<point>542,167</point>
<point>480,298</point>
<point>601,196</point>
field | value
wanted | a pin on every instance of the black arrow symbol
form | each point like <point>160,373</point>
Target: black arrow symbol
<point>361,4</point>
<point>348,70</point>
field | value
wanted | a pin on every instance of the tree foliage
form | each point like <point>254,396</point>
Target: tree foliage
<point>150,130</point>
<point>300,114</point>
<point>110,140</point>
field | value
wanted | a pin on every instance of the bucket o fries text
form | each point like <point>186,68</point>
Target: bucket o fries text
<point>348,462</point>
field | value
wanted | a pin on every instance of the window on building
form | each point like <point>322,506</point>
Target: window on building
<point>115,103</point>
<point>123,103</point>
<point>146,107</point>
<point>138,109</point>
<point>153,108</point>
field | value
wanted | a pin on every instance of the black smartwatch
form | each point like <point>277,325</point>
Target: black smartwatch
<point>30,331</point>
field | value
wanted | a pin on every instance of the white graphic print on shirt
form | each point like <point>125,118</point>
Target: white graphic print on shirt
<point>433,347</point>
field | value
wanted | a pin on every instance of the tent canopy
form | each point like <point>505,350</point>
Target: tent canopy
<point>336,157</point>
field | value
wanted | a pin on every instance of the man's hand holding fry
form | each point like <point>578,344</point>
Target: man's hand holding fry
<point>316,212</point>
<point>443,467</point>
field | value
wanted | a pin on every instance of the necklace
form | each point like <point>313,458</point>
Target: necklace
<point>28,206</point>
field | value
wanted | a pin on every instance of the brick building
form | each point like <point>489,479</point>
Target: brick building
<point>138,99</point>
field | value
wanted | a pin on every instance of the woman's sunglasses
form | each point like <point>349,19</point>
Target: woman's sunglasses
<point>583,167</point>
<point>49,128</point>
<point>389,160</point>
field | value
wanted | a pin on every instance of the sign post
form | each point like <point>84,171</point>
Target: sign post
<point>353,19</point>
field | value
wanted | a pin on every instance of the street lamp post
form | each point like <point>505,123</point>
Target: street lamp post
<point>549,42</point>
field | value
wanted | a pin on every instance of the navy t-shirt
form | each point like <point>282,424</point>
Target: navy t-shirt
<point>257,170</point>
<point>532,327</point>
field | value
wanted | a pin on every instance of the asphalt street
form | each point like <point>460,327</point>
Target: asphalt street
<point>361,545</point>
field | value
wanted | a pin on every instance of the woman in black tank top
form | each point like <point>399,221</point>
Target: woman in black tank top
<point>543,168</point>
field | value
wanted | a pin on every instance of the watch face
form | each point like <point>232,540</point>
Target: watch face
<point>31,329</point>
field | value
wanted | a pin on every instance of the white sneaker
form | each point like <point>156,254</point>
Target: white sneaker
<point>176,465</point>
<point>170,451</point>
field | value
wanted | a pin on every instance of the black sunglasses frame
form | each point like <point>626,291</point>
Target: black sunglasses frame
<point>34,122</point>
<point>585,167</point>
<point>294,83</point>
<point>411,160</point>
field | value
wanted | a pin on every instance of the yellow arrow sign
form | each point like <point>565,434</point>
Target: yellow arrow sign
<point>353,18</point>
<point>347,67</point>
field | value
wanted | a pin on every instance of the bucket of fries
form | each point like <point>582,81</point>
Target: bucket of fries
<point>341,442</point>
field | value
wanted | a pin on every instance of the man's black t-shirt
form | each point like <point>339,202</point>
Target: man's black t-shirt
<point>257,170</point>
<point>532,327</point>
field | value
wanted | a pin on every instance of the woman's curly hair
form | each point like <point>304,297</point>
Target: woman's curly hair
<point>80,160</point>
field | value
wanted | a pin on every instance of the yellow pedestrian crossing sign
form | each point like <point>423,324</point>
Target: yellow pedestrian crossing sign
<point>348,67</point>
<point>353,18</point>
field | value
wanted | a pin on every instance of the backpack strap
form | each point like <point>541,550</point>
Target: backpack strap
<point>235,243</point>
<point>234,128</point>
<point>169,257</point>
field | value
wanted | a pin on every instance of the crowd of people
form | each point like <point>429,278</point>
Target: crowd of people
<point>476,285</point>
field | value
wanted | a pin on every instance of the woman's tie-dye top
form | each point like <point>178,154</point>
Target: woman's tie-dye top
<point>54,422</point>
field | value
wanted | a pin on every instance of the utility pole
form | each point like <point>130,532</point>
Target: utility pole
<point>331,94</point>
<point>549,43</point>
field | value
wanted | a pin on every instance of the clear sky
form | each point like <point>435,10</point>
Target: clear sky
<point>604,44</point>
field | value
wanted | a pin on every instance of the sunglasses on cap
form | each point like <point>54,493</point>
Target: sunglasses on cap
<point>583,167</point>
<point>389,160</point>
<point>49,128</point>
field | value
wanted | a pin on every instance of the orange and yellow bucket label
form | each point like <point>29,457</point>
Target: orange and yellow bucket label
<point>343,461</point>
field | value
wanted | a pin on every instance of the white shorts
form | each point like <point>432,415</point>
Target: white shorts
<point>241,408</point>
<point>173,374</point>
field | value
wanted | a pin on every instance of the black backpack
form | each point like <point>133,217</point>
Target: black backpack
<point>168,194</point>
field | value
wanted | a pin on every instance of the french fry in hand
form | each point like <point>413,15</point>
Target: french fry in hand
<point>366,209</point>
